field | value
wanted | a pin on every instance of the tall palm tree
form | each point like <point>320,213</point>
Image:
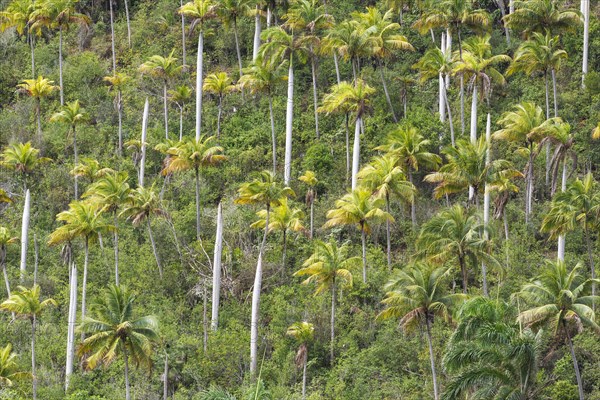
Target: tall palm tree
<point>411,149</point>
<point>192,154</point>
<point>24,159</point>
<point>164,68</point>
<point>72,115</point>
<point>37,89</point>
<point>143,204</point>
<point>201,11</point>
<point>308,19</point>
<point>230,12</point>
<point>219,84</point>
<point>350,40</point>
<point>542,16</point>
<point>310,180</point>
<point>416,296</point>
<point>181,95</point>
<point>18,15</point>
<point>458,236</point>
<point>384,177</point>
<point>26,303</point>
<point>282,218</point>
<point>112,193</point>
<point>5,239</point>
<point>303,333</point>
<point>9,369</point>
<point>265,191</point>
<point>85,220</point>
<point>356,98</point>
<point>117,82</point>
<point>489,356</point>
<point>561,298</point>
<point>283,47</point>
<point>115,331</point>
<point>328,267</point>
<point>360,209</point>
<point>262,76</point>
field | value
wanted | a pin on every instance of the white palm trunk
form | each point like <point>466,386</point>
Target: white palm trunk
<point>473,134</point>
<point>112,37</point>
<point>257,30</point>
<point>561,238</point>
<point>143,144</point>
<point>356,152</point>
<point>183,36</point>
<point>216,286</point>
<point>441,83</point>
<point>486,200</point>
<point>448,51</point>
<point>585,9</point>
<point>72,320</point>
<point>24,233</point>
<point>166,109</point>
<point>511,6</point>
<point>256,301</point>
<point>199,85</point>
<point>60,66</point>
<point>128,23</point>
<point>289,115</point>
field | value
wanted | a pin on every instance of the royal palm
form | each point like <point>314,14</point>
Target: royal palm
<point>38,89</point>
<point>219,84</point>
<point>303,333</point>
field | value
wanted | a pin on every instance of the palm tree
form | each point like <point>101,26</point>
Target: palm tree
<point>310,180</point>
<point>115,331</point>
<point>504,187</point>
<point>5,239</point>
<point>526,127</point>
<point>303,333</point>
<point>384,177</point>
<point>309,19</point>
<point>26,303</point>
<point>18,15</point>
<point>22,158</point>
<point>180,96</point>
<point>265,191</point>
<point>230,11</point>
<point>542,16</point>
<point>143,204</point>
<point>283,47</point>
<point>90,169</point>
<point>561,298</point>
<point>202,11</point>
<point>350,40</point>
<point>416,295</point>
<point>9,370</point>
<point>194,154</point>
<point>262,76</point>
<point>83,219</point>
<point>456,235</point>
<point>356,99</point>
<point>411,149</point>
<point>164,68</point>
<point>37,89</point>
<point>490,356</point>
<point>219,84</point>
<point>117,82</point>
<point>72,115</point>
<point>112,193</point>
<point>386,41</point>
<point>282,218</point>
<point>328,267</point>
<point>360,209</point>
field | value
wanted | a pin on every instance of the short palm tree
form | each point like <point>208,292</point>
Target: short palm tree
<point>117,82</point>
<point>6,239</point>
<point>115,331</point>
<point>562,299</point>
<point>303,333</point>
<point>181,95</point>
<point>90,169</point>
<point>361,209</point>
<point>164,68</point>
<point>196,155</point>
<point>72,115</point>
<point>384,177</point>
<point>416,296</point>
<point>26,303</point>
<point>267,192</point>
<point>38,89</point>
<point>219,84</point>
<point>22,158</point>
<point>9,370</point>
<point>329,267</point>
<point>356,98</point>
<point>456,235</point>
<point>310,180</point>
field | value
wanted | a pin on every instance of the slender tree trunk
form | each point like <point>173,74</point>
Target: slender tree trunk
<point>60,66</point>
<point>347,147</point>
<point>181,123</point>
<point>530,194</point>
<point>356,152</point>
<point>287,164</point>
<point>237,47</point>
<point>337,68</point>
<point>363,237</point>
<point>449,116</point>
<point>120,118</point>
<point>4,272</point>
<point>505,220</point>
<point>554,93</point>
<point>256,300</point>
<point>413,206</point>
<point>84,283</point>
<point>462,103</point>
<point>76,159</point>
<point>473,135</point>
<point>501,6</point>
<point>465,277</point>
<point>197,181</point>
<point>269,17</point>
<point>216,286</point>
<point>385,90</point>
<point>575,364</point>
<point>35,258</point>
<point>127,389</point>
<point>116,246</point>
<point>585,5</point>
<point>199,84</point>
<point>284,252</point>
<point>72,320</point>
<point>149,226</point>
<point>273,134</point>
<point>332,322</point>
<point>431,358</point>
<point>257,30</point>
<point>304,363</point>
<point>388,234</point>
<point>511,6</point>
<point>166,379</point>
<point>166,109</point>
<point>112,37</point>
<point>143,144</point>
<point>25,234</point>
<point>486,200</point>
<point>128,23</point>
<point>184,55</point>
<point>588,242</point>
<point>313,66</point>
<point>33,373</point>
<point>219,114</point>
<point>32,50</point>
<point>38,118</point>
<point>312,215</point>
<point>204,317</point>
<point>562,238</point>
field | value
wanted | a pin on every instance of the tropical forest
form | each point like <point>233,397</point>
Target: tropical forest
<point>299,199</point>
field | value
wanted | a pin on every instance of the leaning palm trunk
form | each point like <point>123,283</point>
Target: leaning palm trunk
<point>199,84</point>
<point>128,23</point>
<point>33,374</point>
<point>256,300</point>
<point>25,234</point>
<point>4,272</point>
<point>445,91</point>
<point>149,226</point>
<point>431,357</point>
<point>337,68</point>
<point>60,66</point>
<point>289,115</point>
<point>143,143</point>
<point>237,47</point>
<point>313,66</point>
<point>385,90</point>
<point>72,320</point>
<point>273,134</point>
<point>216,287</point>
<point>257,30</point>
<point>356,152</point>
<point>575,364</point>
